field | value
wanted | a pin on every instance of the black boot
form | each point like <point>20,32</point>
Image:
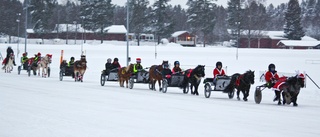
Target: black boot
<point>277,97</point>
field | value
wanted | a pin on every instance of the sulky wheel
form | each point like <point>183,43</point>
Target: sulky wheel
<point>231,94</point>
<point>19,69</point>
<point>29,71</point>
<point>164,85</point>
<point>257,95</point>
<point>131,83</point>
<point>207,90</point>
<point>60,75</point>
<point>102,79</point>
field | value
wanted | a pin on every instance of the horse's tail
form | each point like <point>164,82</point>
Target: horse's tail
<point>232,83</point>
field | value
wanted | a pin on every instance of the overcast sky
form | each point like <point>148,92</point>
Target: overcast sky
<point>183,2</point>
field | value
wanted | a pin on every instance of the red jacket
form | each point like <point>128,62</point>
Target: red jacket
<point>217,72</point>
<point>269,76</point>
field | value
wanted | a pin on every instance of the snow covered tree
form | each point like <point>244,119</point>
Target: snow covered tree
<point>201,16</point>
<point>41,12</point>
<point>161,23</point>
<point>255,20</point>
<point>293,29</point>
<point>138,17</point>
<point>235,20</point>
<point>96,15</point>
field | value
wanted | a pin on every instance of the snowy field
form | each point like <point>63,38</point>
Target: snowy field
<point>46,107</point>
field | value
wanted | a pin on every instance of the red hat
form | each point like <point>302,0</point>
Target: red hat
<point>39,54</point>
<point>301,76</point>
<point>138,60</point>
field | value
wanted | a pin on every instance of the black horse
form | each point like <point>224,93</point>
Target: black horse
<point>241,82</point>
<point>291,89</point>
<point>193,76</point>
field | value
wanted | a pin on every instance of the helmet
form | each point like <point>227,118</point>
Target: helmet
<point>176,63</point>
<point>271,66</point>
<point>9,47</point>
<point>72,58</point>
<point>138,60</point>
<point>39,54</point>
<point>24,54</point>
<point>109,60</point>
<point>218,64</point>
<point>115,59</point>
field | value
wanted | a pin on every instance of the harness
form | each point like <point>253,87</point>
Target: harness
<point>240,79</point>
<point>189,73</point>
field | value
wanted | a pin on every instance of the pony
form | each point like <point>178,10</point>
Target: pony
<point>44,64</point>
<point>79,68</point>
<point>9,66</point>
<point>124,74</point>
<point>290,89</point>
<point>241,82</point>
<point>193,76</point>
<point>155,74</point>
<point>34,66</point>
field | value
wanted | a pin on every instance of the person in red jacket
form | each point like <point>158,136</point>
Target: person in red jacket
<point>271,78</point>
<point>218,72</point>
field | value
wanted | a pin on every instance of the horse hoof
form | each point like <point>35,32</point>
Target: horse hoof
<point>238,98</point>
<point>245,99</point>
<point>295,104</point>
<point>279,103</point>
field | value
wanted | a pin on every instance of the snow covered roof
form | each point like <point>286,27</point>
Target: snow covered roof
<point>116,29</point>
<point>178,33</point>
<point>30,31</point>
<point>300,43</point>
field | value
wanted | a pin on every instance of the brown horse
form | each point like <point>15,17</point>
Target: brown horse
<point>124,74</point>
<point>155,74</point>
<point>79,68</point>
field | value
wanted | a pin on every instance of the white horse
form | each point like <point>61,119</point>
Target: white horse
<point>44,64</point>
<point>9,66</point>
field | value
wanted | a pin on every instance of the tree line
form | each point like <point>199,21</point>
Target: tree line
<point>209,21</point>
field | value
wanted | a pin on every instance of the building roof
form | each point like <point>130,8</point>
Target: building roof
<point>116,29</point>
<point>299,43</point>
<point>178,33</point>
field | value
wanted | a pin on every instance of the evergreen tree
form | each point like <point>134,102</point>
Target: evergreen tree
<point>201,16</point>
<point>235,20</point>
<point>138,17</point>
<point>9,10</point>
<point>292,28</point>
<point>96,15</point>
<point>161,23</point>
<point>41,12</point>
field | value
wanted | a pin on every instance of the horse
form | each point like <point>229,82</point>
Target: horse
<point>44,64</point>
<point>193,76</point>
<point>155,74</point>
<point>79,68</point>
<point>241,82</point>
<point>124,74</point>
<point>9,66</point>
<point>290,89</point>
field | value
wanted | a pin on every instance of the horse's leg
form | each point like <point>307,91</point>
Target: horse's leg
<point>196,89</point>
<point>294,99</point>
<point>244,92</point>
<point>127,81</point>
<point>238,94</point>
<point>160,88</point>
<point>154,84</point>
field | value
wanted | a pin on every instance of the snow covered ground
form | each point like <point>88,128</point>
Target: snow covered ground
<point>37,107</point>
